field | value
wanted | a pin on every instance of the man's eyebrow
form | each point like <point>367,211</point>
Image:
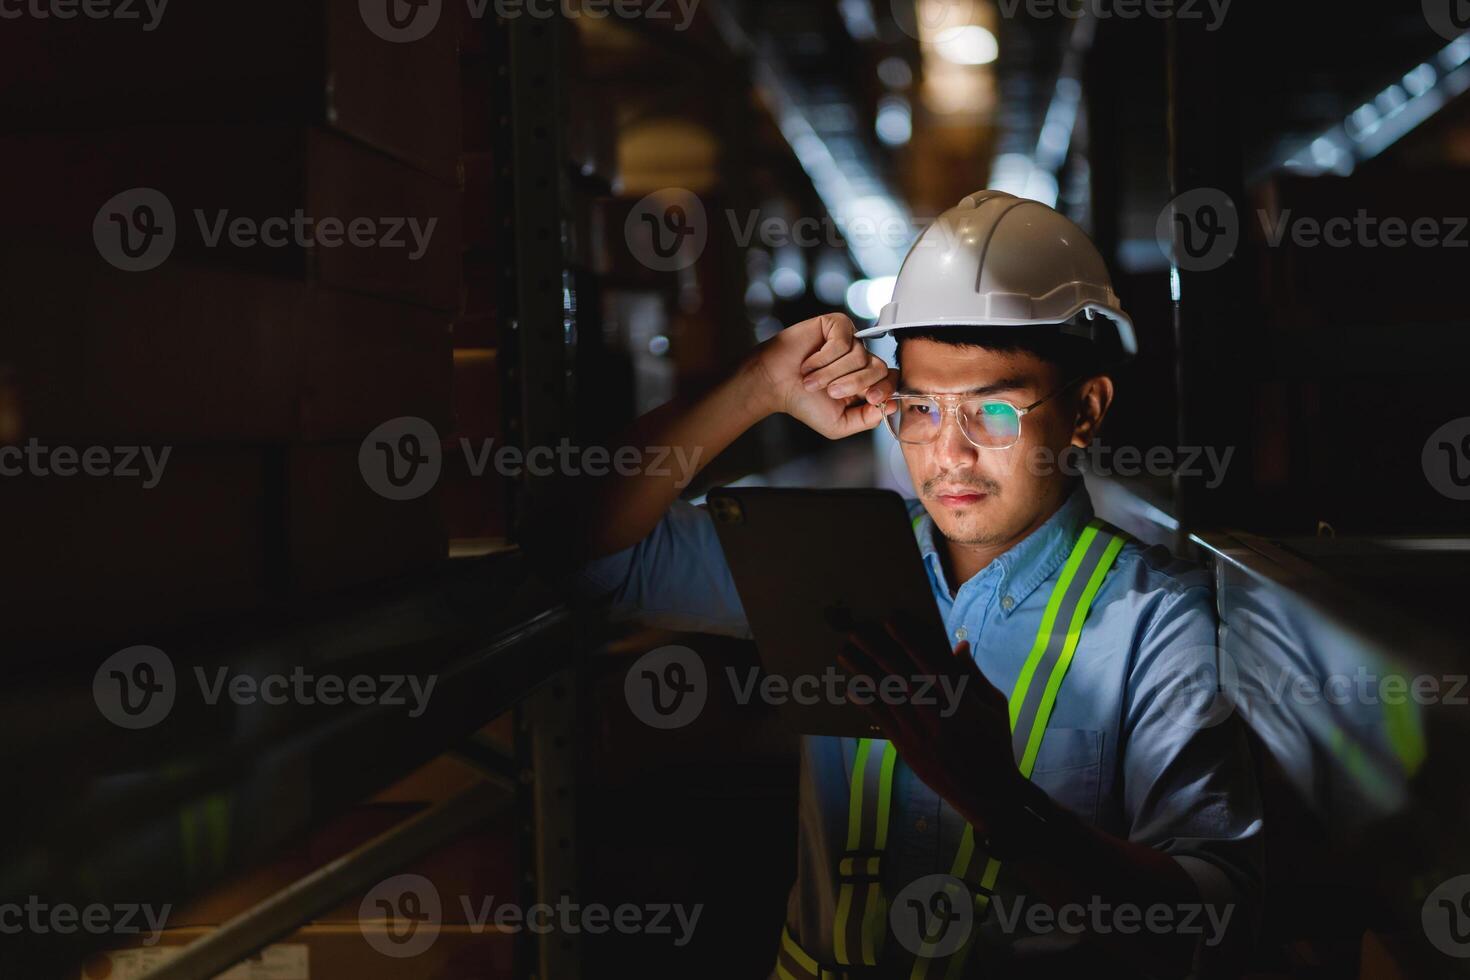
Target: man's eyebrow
<point>1001,384</point>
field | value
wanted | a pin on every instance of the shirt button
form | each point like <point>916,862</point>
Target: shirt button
<point>921,825</point>
<point>961,633</point>
<point>1007,603</point>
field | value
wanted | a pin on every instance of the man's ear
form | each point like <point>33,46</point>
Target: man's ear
<point>1094,398</point>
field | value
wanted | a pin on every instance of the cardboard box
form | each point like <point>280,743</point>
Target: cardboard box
<point>308,61</point>
<point>331,952</point>
<point>340,532</point>
<point>291,201</point>
<point>189,547</point>
<point>195,354</point>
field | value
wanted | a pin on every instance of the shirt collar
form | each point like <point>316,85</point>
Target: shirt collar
<point>1033,559</point>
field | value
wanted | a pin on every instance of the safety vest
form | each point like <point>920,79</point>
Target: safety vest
<point>861,927</point>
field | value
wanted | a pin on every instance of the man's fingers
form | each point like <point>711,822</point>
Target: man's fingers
<point>883,389</point>
<point>872,372</point>
<point>853,360</point>
<point>838,332</point>
<point>859,417</point>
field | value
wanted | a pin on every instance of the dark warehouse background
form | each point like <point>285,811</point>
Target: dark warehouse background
<point>494,285</point>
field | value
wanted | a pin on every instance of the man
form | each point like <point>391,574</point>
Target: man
<point>1104,813</point>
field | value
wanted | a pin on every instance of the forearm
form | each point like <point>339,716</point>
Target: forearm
<point>1069,864</point>
<point>686,437</point>
<point>581,518</point>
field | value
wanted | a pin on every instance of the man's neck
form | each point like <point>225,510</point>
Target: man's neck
<point>963,562</point>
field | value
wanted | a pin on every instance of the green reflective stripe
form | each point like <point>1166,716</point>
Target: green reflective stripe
<point>844,912</point>
<point>862,911</point>
<point>1043,635</point>
<point>875,918</point>
<point>885,796</point>
<point>794,959</point>
<point>1025,706</point>
<point>1051,655</point>
<point>1069,648</point>
<point>1405,732</point>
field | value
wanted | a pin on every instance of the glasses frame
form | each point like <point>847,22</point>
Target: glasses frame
<point>949,405</point>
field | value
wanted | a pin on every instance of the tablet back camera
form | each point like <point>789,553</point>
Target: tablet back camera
<point>726,510</point>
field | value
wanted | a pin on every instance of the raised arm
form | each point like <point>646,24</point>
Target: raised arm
<point>816,371</point>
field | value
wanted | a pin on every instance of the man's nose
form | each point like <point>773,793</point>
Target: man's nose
<point>951,448</point>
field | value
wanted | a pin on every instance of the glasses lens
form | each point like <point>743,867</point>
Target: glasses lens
<point>917,419</point>
<point>995,425</point>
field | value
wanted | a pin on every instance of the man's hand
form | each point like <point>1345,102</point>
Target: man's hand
<point>959,741</point>
<point>817,371</point>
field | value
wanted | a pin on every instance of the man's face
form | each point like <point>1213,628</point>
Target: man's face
<point>988,496</point>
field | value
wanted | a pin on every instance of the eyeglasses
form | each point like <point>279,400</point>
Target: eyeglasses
<point>988,423</point>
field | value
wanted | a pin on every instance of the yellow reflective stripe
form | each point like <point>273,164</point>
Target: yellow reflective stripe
<point>1043,635</point>
<point>873,921</point>
<point>855,796</point>
<point>788,942</point>
<point>885,796</point>
<point>786,974</point>
<point>1074,634</point>
<point>839,934</point>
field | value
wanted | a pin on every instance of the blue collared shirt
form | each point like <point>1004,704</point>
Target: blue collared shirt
<point>1134,745</point>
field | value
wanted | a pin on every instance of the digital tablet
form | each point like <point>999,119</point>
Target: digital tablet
<point>807,564</point>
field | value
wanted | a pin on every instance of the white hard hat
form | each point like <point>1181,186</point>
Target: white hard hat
<point>996,259</point>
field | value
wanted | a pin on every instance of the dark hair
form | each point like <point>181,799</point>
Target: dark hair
<point>1073,356</point>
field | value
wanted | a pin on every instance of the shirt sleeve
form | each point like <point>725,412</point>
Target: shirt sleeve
<point>676,577</point>
<point>1190,785</point>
